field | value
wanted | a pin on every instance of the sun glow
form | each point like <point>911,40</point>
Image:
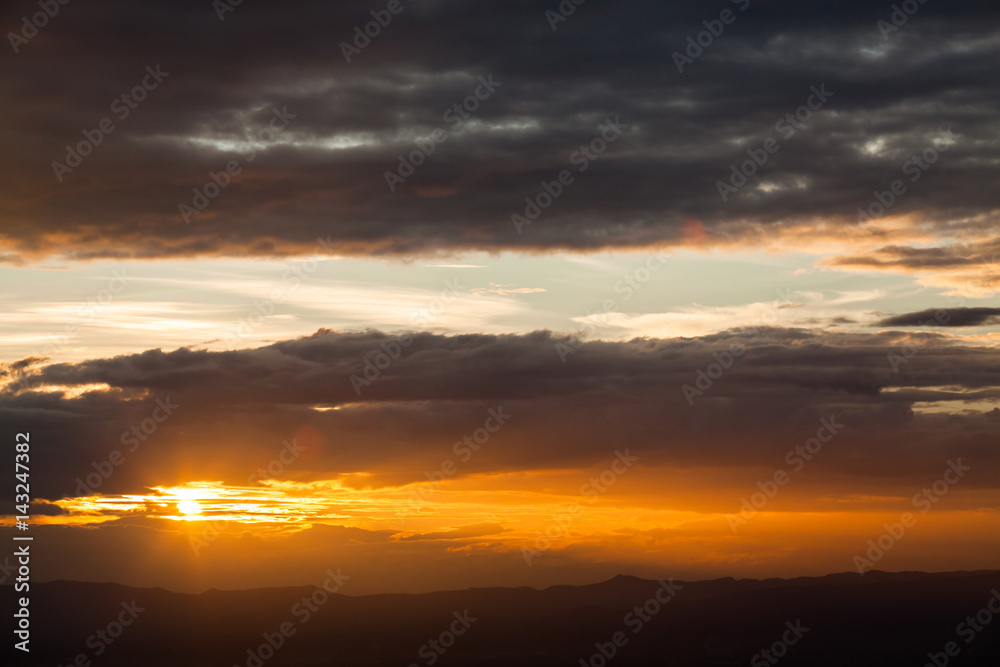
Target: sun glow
<point>189,507</point>
<point>286,507</point>
<point>497,513</point>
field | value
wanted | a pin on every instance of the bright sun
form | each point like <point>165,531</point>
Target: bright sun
<point>189,507</point>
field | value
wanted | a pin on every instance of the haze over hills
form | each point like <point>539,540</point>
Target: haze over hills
<point>840,619</point>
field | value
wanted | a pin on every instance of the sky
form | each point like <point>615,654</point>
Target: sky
<point>500,293</point>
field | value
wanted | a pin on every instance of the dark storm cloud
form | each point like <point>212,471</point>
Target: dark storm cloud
<point>945,317</point>
<point>44,508</point>
<point>323,177</point>
<point>188,414</point>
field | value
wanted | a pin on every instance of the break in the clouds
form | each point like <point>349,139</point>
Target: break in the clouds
<point>308,137</point>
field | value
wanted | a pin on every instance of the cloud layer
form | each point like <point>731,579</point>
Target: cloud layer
<point>901,408</point>
<point>908,404</point>
<point>323,174</point>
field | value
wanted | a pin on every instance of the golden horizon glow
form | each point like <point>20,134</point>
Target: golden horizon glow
<point>503,513</point>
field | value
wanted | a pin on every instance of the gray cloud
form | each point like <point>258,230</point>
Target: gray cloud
<point>324,178</point>
<point>237,407</point>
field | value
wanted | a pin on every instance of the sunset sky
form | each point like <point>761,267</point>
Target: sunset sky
<point>503,301</point>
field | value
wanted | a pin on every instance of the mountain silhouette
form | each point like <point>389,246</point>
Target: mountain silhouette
<point>882,619</point>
